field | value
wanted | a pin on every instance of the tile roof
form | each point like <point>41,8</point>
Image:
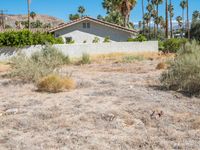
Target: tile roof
<point>65,25</point>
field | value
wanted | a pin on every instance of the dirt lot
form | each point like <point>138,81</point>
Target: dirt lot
<point>115,107</point>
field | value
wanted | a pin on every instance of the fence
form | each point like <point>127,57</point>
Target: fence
<point>76,50</point>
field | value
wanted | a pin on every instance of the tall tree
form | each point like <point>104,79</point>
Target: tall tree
<point>33,15</point>
<point>29,2</point>
<point>147,18</point>
<point>157,3</point>
<point>188,22</point>
<point>81,10</point>
<point>143,22</point>
<point>149,8</point>
<point>179,19</point>
<point>122,6</point>
<point>166,19</point>
<point>183,5</point>
<point>171,15</point>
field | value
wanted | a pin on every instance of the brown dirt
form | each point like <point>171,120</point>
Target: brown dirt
<point>115,106</point>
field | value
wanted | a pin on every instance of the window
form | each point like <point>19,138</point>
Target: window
<point>86,25</point>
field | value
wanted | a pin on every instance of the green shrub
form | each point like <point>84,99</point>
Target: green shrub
<point>184,71</point>
<point>132,58</point>
<point>26,38</point>
<point>38,65</point>
<point>173,45</point>
<point>106,39</point>
<point>85,59</point>
<point>96,40</point>
<point>161,45</point>
<point>140,38</point>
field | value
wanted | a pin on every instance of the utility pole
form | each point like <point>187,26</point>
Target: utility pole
<point>3,18</point>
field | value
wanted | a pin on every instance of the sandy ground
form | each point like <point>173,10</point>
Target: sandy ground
<point>115,107</point>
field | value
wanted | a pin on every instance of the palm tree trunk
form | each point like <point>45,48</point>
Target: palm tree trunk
<point>28,2</point>
<point>166,11</point>
<point>183,22</point>
<point>157,24</point>
<point>143,16</point>
<point>188,22</point>
<point>149,29</point>
<point>171,25</point>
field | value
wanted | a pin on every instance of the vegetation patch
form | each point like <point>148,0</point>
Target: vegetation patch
<point>55,83</point>
<point>85,59</point>
<point>26,38</point>
<point>40,64</point>
<point>132,58</point>
<point>184,71</point>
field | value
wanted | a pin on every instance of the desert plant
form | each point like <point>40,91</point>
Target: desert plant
<point>140,38</point>
<point>173,45</point>
<point>39,64</point>
<point>96,40</point>
<point>106,39</point>
<point>85,59</point>
<point>184,71</point>
<point>161,65</point>
<point>55,83</point>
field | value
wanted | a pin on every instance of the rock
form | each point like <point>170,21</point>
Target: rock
<point>11,111</point>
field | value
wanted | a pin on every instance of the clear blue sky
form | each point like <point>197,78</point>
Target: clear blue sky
<point>62,8</point>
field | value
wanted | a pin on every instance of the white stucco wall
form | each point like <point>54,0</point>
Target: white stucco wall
<point>76,50</point>
<point>80,34</point>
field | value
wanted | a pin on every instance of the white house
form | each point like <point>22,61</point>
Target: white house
<point>86,29</point>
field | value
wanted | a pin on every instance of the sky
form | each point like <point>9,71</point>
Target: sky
<point>62,8</point>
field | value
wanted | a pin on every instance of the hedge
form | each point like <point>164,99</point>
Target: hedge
<point>27,38</point>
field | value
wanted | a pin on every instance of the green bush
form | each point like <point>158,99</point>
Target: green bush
<point>140,38</point>
<point>40,64</point>
<point>161,45</point>
<point>106,39</point>
<point>173,45</point>
<point>184,71</point>
<point>27,38</point>
<point>96,40</point>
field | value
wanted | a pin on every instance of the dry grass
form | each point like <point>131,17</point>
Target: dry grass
<point>4,67</point>
<point>161,65</point>
<point>55,84</point>
<point>118,57</point>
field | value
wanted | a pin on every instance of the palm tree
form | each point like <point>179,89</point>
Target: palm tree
<point>157,3</point>
<point>143,15</point>
<point>149,8</point>
<point>28,2</point>
<point>122,6</point>
<point>147,18</point>
<point>81,10</point>
<point>126,7</point>
<point>33,15</point>
<point>188,22</point>
<point>171,15</point>
<point>166,19</point>
<point>154,15</point>
<point>179,19</point>
<point>195,15</point>
<point>183,5</point>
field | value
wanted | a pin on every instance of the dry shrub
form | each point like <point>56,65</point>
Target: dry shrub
<point>183,74</point>
<point>40,64</point>
<point>161,65</point>
<point>85,59</point>
<point>54,83</point>
<point>132,58</point>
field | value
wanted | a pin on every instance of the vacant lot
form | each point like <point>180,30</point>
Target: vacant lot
<point>116,106</point>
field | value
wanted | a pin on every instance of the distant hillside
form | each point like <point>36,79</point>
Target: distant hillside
<point>45,19</point>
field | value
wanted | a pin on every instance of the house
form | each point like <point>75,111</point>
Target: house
<point>86,29</point>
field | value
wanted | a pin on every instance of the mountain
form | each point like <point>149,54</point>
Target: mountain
<point>45,19</point>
